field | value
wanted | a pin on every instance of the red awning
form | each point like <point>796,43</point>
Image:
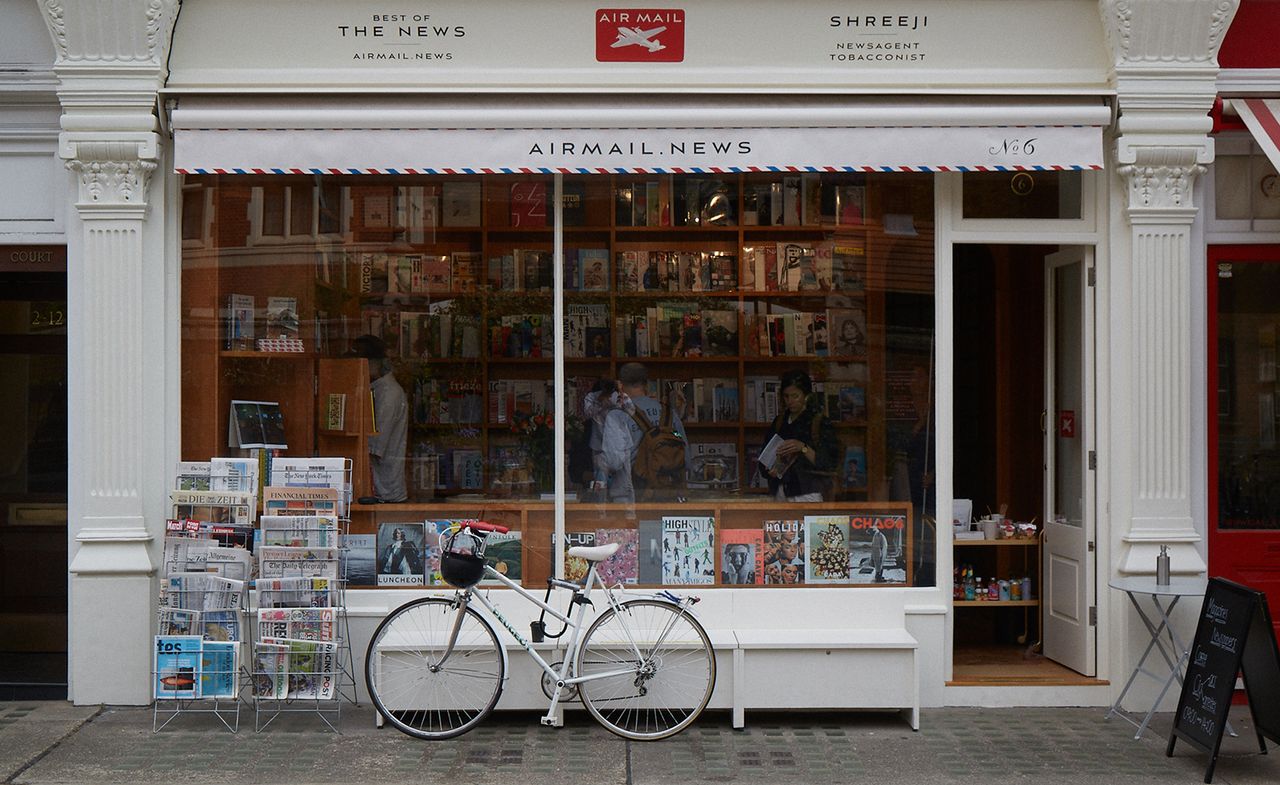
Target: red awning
<point>1262,117</point>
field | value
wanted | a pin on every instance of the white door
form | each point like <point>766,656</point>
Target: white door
<point>1068,570</point>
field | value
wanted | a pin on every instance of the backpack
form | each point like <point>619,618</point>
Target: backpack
<point>658,470</point>
<point>581,462</point>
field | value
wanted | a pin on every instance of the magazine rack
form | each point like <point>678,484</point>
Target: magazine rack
<point>197,651</point>
<point>301,647</point>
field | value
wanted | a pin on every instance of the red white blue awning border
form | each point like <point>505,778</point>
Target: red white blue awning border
<point>647,170</point>
<point>586,151</point>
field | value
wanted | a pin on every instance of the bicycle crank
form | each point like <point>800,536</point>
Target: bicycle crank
<point>570,691</point>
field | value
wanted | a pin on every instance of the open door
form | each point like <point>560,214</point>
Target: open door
<point>1069,572</point>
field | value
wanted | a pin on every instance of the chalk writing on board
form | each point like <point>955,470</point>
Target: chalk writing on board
<point>1225,642</point>
<point>1216,612</point>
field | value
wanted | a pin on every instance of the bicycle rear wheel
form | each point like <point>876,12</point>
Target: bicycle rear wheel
<point>409,685</point>
<point>655,665</point>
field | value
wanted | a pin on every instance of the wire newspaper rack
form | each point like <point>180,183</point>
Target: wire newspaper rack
<point>298,648</point>
<point>301,648</point>
<point>196,659</point>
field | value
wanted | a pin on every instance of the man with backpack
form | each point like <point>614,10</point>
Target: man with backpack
<point>659,449</point>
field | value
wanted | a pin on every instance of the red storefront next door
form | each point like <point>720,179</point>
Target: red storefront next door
<point>1244,454</point>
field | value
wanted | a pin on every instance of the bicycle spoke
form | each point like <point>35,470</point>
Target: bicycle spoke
<point>423,689</point>
<point>661,690</point>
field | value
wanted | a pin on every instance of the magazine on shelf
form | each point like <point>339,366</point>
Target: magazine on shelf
<point>649,552</point>
<point>359,559</point>
<point>504,552</point>
<point>401,554</point>
<point>575,567</point>
<point>270,670</point>
<point>219,674</point>
<point>688,550</point>
<point>256,424</point>
<point>282,317</point>
<point>622,567</point>
<point>176,665</point>
<point>828,538</point>
<point>741,556</point>
<point>784,552</point>
<point>240,313</point>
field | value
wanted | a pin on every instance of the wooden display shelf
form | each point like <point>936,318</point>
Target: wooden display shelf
<point>999,543</point>
<point>996,603</point>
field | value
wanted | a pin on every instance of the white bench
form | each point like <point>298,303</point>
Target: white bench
<point>823,669</point>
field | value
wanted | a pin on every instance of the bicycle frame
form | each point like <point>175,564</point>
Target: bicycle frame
<point>582,597</point>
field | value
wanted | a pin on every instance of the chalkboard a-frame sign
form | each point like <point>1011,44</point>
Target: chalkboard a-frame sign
<point>1234,635</point>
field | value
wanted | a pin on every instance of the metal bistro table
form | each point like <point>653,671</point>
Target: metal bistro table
<point>1176,656</point>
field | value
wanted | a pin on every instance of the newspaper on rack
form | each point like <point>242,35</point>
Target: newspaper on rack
<point>280,500</point>
<point>279,561</point>
<point>312,667</point>
<point>221,625</point>
<point>219,674</point>
<point>203,591</point>
<point>186,553</point>
<point>310,531</point>
<point>179,621</point>
<point>214,506</point>
<point>297,592</point>
<point>229,562</point>
<point>315,473</point>
<point>271,670</point>
<point>305,624</point>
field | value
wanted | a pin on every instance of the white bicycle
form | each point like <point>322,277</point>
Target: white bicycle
<point>644,668</point>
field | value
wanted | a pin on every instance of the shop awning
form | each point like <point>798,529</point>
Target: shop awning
<point>589,134</point>
<point>1262,117</point>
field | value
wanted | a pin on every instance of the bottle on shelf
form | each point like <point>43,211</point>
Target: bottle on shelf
<point>993,590</point>
<point>1026,589</point>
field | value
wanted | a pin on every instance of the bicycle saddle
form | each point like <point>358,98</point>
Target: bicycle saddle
<point>594,552</point>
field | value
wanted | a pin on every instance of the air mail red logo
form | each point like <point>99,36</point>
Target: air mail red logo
<point>640,35</point>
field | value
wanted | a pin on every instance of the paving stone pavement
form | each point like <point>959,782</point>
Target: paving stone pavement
<point>117,745</point>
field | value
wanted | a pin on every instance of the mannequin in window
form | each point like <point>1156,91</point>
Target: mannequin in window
<point>391,414</point>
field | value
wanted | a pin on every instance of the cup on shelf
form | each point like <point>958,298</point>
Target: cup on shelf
<point>989,528</point>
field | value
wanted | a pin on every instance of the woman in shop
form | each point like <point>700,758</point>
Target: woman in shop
<point>809,451</point>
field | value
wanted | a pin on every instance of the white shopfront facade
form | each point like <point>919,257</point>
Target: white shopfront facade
<point>1120,91</point>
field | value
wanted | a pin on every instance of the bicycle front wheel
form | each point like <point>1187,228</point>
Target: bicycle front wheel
<point>411,686</point>
<point>653,669</point>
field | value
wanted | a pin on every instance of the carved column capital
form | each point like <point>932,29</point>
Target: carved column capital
<point>112,174</point>
<point>1160,183</point>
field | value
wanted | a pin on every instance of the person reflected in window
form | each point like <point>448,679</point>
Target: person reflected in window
<point>387,447</point>
<point>809,453</point>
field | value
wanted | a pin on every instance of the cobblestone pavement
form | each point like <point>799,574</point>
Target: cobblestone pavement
<point>117,745</point>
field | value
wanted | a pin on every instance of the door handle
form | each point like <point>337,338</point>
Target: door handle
<point>1044,418</point>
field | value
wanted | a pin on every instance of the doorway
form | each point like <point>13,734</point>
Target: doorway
<point>33,473</point>
<point>1244,455</point>
<point>1007,310</point>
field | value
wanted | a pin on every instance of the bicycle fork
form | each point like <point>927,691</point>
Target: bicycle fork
<point>462,599</point>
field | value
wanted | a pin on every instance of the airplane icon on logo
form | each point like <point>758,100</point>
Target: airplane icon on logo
<point>629,36</point>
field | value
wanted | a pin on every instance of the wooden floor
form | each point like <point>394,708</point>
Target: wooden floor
<point>1010,666</point>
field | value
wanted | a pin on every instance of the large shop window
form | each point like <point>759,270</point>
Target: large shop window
<point>725,308</point>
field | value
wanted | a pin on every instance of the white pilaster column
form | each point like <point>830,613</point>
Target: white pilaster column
<point>110,65</point>
<point>1165,69</point>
